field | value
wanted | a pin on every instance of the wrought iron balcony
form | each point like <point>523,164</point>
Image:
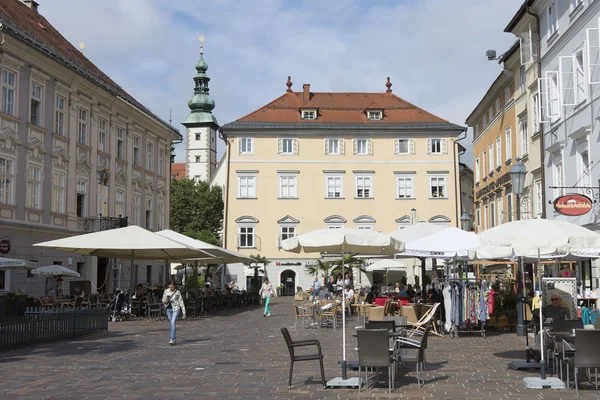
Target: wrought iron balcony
<point>105,223</point>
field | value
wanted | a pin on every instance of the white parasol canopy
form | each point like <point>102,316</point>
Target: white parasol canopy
<point>216,254</point>
<point>413,232</point>
<point>15,264</point>
<point>386,264</point>
<point>546,238</point>
<point>55,270</point>
<point>446,243</point>
<point>346,240</point>
<point>131,241</point>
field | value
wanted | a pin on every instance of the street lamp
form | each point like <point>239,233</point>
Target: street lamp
<point>464,221</point>
<point>517,176</point>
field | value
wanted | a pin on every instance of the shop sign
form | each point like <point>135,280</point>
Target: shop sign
<point>288,264</point>
<point>4,246</point>
<point>573,204</point>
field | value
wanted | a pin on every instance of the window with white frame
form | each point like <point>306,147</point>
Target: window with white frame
<point>9,86</point>
<point>246,145</point>
<point>535,101</point>
<point>161,161</point>
<point>524,137</point>
<point>309,114</point>
<point>579,72</point>
<point>136,151</point>
<point>335,226</point>
<point>7,180</point>
<point>246,236</point>
<point>150,156</point>
<point>558,179</point>
<point>553,95</point>
<point>492,213</point>
<point>102,200</point>
<point>498,152</point>
<point>333,146</point>
<point>334,188</point>
<point>102,135</point>
<point>435,146</point>
<point>197,159</point>
<point>35,109</point>
<point>404,146</point>
<point>161,216</point>
<point>246,186</point>
<point>288,186</point>
<point>522,79</point>
<point>149,214</point>
<point>508,143</point>
<point>286,231</point>
<point>437,187</point>
<point>375,115</point>
<point>58,192</point>
<point>59,115</point>
<point>539,204</point>
<point>362,146</point>
<point>136,209</point>
<point>120,203</point>
<point>286,146</point>
<point>485,216</point>
<point>506,95</point>
<point>483,165</point>
<point>477,170</point>
<point>82,126</point>
<point>552,19</point>
<point>583,168</point>
<point>81,197</point>
<point>500,210</point>
<point>509,207</point>
<point>491,164</point>
<point>120,143</point>
<point>365,227</point>
<point>364,186</point>
<point>34,186</point>
<point>198,136</point>
<point>405,189</point>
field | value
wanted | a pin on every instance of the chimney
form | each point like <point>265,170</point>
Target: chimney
<point>306,96</point>
<point>32,4</point>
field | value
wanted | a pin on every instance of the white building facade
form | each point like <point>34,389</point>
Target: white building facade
<point>77,154</point>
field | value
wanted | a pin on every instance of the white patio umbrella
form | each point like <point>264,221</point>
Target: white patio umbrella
<point>386,264</point>
<point>342,240</point>
<point>15,264</point>
<point>413,232</point>
<point>446,243</point>
<point>55,270</point>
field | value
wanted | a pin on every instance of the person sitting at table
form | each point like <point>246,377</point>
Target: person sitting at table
<point>139,291</point>
<point>349,298</point>
<point>556,310</point>
<point>371,295</point>
<point>410,292</point>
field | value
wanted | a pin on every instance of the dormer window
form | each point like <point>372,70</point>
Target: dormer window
<point>309,114</point>
<point>375,115</point>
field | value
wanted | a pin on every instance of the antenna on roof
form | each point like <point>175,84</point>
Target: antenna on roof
<point>81,46</point>
<point>201,38</point>
<point>170,117</point>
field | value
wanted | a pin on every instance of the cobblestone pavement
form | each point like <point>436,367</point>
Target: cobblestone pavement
<point>239,354</point>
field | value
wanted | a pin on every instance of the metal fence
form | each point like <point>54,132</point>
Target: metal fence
<point>45,325</point>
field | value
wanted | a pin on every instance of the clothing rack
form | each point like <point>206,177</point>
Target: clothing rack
<point>454,329</point>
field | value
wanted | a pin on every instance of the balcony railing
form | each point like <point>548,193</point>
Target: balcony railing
<point>105,223</point>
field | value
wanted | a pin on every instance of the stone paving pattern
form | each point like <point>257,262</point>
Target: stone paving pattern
<point>238,354</point>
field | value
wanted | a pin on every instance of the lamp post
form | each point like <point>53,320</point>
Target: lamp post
<point>464,221</point>
<point>517,176</point>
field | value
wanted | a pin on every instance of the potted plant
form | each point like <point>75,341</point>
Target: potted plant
<point>278,291</point>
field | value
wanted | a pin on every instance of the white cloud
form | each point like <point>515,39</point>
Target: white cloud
<point>433,50</point>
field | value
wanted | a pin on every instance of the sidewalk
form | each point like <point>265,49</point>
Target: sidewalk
<point>241,355</point>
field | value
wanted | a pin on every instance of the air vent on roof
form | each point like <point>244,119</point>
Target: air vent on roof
<point>32,4</point>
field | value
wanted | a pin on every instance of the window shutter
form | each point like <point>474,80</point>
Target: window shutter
<point>240,145</point>
<point>567,80</point>
<point>428,146</point>
<point>444,146</point>
<point>326,146</point>
<point>341,146</point>
<point>411,146</point>
<point>279,146</point>
<point>354,146</point>
<point>396,146</point>
<point>295,144</point>
<point>369,147</point>
<point>278,240</point>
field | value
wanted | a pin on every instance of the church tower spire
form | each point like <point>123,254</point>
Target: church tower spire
<point>201,104</point>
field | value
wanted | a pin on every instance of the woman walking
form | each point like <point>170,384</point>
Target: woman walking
<point>266,291</point>
<point>173,302</point>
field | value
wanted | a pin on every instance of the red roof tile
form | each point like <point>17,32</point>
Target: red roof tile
<point>341,108</point>
<point>178,171</point>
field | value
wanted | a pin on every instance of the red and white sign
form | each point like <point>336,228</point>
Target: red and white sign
<point>573,204</point>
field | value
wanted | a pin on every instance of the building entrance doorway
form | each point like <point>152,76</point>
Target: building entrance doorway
<point>102,275</point>
<point>288,283</point>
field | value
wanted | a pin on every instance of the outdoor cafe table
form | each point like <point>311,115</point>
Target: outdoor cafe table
<point>363,310</point>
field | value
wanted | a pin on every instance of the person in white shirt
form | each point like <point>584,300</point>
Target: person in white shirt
<point>349,298</point>
<point>173,302</point>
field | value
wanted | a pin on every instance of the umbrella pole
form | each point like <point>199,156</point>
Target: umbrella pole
<point>132,284</point>
<point>344,376</point>
<point>542,361</point>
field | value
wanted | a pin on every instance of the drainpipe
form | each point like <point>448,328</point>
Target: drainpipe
<point>457,182</point>
<point>223,137</point>
<point>540,125</point>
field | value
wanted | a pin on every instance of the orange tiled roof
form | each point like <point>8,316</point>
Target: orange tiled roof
<point>341,108</point>
<point>178,171</point>
<point>26,24</point>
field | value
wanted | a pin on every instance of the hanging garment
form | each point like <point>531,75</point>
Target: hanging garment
<point>483,302</point>
<point>490,302</point>
<point>447,292</point>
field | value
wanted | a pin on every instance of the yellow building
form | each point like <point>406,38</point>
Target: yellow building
<point>310,160</point>
<point>495,146</point>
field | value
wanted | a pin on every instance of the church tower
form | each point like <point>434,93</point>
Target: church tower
<point>201,127</point>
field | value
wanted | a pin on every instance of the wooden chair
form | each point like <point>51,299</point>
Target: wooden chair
<point>376,313</point>
<point>427,318</point>
<point>292,345</point>
<point>302,313</point>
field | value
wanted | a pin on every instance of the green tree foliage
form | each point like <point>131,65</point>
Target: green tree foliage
<point>321,267</point>
<point>256,264</point>
<point>196,207</point>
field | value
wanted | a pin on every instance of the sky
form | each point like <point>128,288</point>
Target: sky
<point>433,50</point>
